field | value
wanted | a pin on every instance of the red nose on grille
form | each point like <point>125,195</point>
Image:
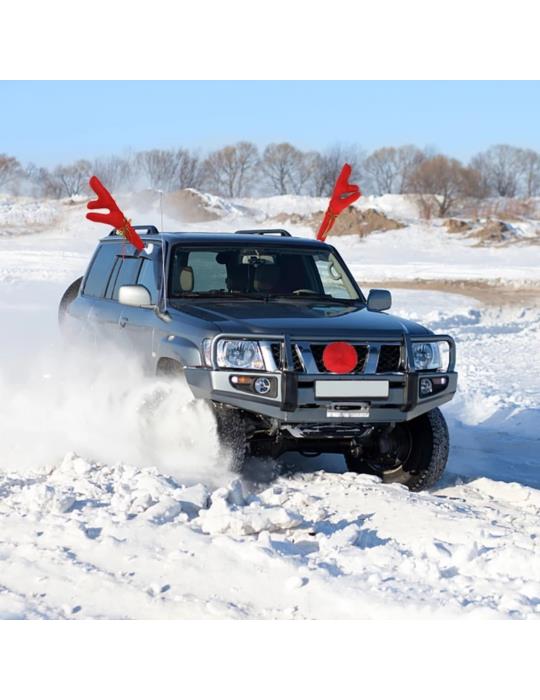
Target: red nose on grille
<point>340,358</point>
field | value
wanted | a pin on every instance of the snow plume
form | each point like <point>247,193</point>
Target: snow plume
<point>99,404</point>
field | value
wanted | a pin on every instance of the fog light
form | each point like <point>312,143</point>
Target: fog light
<point>262,385</point>
<point>426,387</point>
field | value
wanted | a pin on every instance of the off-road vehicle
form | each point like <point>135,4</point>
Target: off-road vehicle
<point>276,334</point>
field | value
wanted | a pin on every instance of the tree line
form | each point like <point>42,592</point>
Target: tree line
<point>241,170</point>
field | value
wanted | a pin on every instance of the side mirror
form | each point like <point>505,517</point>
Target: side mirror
<point>379,300</point>
<point>134,295</point>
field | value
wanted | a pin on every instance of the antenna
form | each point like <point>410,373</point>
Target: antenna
<point>161,206</point>
<point>163,279</point>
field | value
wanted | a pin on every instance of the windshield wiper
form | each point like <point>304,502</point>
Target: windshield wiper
<point>318,297</point>
<point>218,294</point>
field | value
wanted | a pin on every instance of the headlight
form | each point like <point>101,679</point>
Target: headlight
<point>426,356</point>
<point>243,354</point>
<point>207,351</point>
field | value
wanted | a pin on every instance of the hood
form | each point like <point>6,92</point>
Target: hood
<point>301,318</point>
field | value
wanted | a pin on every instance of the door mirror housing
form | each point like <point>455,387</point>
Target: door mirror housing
<point>134,295</point>
<point>379,300</point>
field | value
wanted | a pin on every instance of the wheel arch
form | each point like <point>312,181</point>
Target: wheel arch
<point>69,296</point>
<point>173,348</point>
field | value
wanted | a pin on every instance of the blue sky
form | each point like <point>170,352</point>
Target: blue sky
<point>53,122</point>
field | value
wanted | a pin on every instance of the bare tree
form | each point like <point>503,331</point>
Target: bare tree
<point>473,185</point>
<point>441,181</point>
<point>328,165</point>
<point>287,169</point>
<point>230,170</point>
<point>408,159</point>
<point>388,169</point>
<point>170,170</point>
<point>115,172</point>
<point>40,183</point>
<point>190,171</point>
<point>501,168</point>
<point>320,183</point>
<point>382,169</point>
<point>158,167</point>
<point>530,170</point>
<point>10,170</point>
<point>280,162</point>
<point>72,179</point>
<point>302,177</point>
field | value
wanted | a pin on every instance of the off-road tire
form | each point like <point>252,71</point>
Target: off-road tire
<point>232,430</point>
<point>169,369</point>
<point>427,458</point>
<point>69,295</point>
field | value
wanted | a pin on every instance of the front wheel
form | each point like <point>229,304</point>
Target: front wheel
<point>233,435</point>
<point>414,453</point>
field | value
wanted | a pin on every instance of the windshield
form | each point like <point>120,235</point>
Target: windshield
<point>258,272</point>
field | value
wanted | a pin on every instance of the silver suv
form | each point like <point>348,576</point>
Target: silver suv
<point>275,333</point>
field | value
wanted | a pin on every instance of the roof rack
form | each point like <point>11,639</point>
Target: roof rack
<point>264,231</point>
<point>150,230</point>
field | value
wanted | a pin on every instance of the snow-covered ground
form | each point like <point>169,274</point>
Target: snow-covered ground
<point>114,499</point>
<point>427,252</point>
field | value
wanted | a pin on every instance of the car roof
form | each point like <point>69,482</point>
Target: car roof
<point>242,239</point>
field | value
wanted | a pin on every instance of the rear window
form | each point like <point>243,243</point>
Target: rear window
<point>115,264</point>
<point>98,276</point>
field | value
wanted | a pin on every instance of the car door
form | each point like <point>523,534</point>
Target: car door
<point>136,325</point>
<point>101,314</point>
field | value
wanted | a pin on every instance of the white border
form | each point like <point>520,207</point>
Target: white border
<point>277,660</point>
<point>282,39</point>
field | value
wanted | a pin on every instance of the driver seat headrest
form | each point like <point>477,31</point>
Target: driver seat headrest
<point>265,278</point>
<point>186,279</point>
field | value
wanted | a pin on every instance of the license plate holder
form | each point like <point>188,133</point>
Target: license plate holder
<point>360,410</point>
<point>351,389</point>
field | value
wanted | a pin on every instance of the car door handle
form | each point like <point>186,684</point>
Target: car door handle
<point>123,320</point>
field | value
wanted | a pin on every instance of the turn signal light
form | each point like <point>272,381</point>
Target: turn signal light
<point>239,379</point>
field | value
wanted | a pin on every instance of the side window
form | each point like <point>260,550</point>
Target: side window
<point>147,277</point>
<point>128,273</point>
<point>98,276</point>
<point>112,278</point>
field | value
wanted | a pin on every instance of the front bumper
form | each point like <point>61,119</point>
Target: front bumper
<point>296,401</point>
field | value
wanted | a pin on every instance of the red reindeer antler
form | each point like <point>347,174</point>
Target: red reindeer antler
<point>115,217</point>
<point>344,195</point>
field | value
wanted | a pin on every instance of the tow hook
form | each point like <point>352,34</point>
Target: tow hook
<point>357,445</point>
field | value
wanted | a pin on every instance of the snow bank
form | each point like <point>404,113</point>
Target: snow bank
<point>85,540</point>
<point>25,213</point>
<point>393,205</point>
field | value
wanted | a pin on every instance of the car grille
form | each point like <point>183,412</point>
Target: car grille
<point>361,350</point>
<point>277,355</point>
<point>389,358</point>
